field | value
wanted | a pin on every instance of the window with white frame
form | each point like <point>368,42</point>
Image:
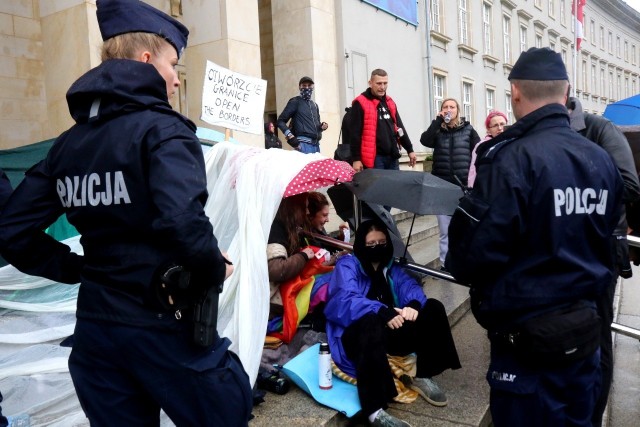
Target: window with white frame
<point>633,86</point>
<point>538,40</point>
<point>603,82</point>
<point>610,43</point>
<point>626,50</point>
<point>564,56</point>
<point>467,100</point>
<point>490,99</point>
<point>552,45</point>
<point>439,82</point>
<point>506,38</point>
<point>619,86</point>
<point>487,34</point>
<point>463,22</point>
<point>585,80</point>
<point>436,18</point>
<point>523,38</point>
<point>563,13</point>
<point>601,37</point>
<point>626,87</point>
<point>592,31</point>
<point>507,107</point>
<point>633,54</point>
<point>610,95</point>
<point>594,78</point>
<point>618,48</point>
<point>552,8</point>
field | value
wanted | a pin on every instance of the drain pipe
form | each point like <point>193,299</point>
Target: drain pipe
<point>427,32</point>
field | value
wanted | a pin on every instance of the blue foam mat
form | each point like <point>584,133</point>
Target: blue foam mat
<point>303,371</point>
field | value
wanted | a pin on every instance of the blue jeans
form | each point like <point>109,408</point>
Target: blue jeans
<point>309,148</point>
<point>386,162</point>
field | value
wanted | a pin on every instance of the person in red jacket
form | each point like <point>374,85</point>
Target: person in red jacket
<point>377,132</point>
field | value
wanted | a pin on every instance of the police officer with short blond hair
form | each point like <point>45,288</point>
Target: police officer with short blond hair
<point>130,176</point>
<point>533,239</point>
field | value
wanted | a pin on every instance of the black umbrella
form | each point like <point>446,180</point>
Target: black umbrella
<point>417,192</point>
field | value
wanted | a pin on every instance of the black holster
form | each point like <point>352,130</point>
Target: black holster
<point>205,318</point>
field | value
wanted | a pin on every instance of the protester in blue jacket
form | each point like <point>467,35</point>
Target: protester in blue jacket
<point>533,240</point>
<point>130,176</point>
<point>374,309</point>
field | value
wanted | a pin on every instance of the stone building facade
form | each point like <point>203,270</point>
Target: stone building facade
<point>463,49</point>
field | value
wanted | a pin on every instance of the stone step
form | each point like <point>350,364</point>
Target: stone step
<point>466,389</point>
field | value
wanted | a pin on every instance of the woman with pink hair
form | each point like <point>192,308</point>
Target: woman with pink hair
<point>495,123</point>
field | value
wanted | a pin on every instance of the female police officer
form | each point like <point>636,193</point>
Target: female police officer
<point>130,177</point>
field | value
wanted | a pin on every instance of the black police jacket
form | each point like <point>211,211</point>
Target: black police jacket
<point>535,231</point>
<point>130,177</point>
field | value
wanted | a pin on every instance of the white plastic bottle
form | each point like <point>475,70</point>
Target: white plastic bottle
<point>324,367</point>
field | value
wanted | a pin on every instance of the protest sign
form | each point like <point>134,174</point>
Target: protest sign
<point>233,100</point>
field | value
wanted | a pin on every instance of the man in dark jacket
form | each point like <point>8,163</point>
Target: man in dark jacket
<point>533,241</point>
<point>376,131</point>
<point>604,133</point>
<point>130,176</point>
<point>306,128</point>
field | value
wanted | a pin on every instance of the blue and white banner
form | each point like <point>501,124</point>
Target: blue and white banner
<point>407,10</point>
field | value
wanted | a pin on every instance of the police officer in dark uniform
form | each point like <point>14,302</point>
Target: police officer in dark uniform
<point>533,241</point>
<point>130,177</point>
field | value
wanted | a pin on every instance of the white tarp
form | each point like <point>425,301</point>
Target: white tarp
<point>245,187</point>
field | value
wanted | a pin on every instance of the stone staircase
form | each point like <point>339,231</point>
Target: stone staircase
<point>466,388</point>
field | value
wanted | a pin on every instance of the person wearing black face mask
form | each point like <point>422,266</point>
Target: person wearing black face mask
<point>376,309</point>
<point>305,132</point>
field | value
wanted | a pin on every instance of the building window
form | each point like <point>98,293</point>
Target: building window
<point>603,83</point>
<point>487,36</point>
<point>506,38</point>
<point>436,23</point>
<point>585,80</point>
<point>523,38</point>
<point>467,101</point>
<point>564,56</point>
<point>633,54</point>
<point>594,77</point>
<point>618,50</point>
<point>592,31</point>
<point>626,87</point>
<point>491,100</point>
<point>601,37</point>
<point>507,107</point>
<point>633,86</point>
<point>618,86</point>
<point>611,94</point>
<point>552,45</point>
<point>610,42</point>
<point>563,13</point>
<point>552,8</point>
<point>463,22</point>
<point>439,82</point>
<point>626,51</point>
<point>538,40</point>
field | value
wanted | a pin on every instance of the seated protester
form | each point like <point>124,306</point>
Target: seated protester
<point>376,309</point>
<point>318,216</point>
<point>286,251</point>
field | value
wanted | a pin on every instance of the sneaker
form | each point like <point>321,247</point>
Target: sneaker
<point>385,419</point>
<point>429,389</point>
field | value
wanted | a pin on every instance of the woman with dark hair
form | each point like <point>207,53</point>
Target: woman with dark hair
<point>376,309</point>
<point>270,138</point>
<point>452,139</point>
<point>286,251</point>
<point>318,216</point>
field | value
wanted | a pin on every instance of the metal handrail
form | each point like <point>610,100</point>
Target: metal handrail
<point>615,327</point>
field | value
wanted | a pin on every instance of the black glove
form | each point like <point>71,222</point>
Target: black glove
<point>293,142</point>
<point>622,257</point>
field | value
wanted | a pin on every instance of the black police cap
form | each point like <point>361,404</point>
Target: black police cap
<point>117,17</point>
<point>539,64</point>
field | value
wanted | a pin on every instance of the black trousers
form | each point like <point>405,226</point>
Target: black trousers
<point>368,341</point>
<point>604,305</point>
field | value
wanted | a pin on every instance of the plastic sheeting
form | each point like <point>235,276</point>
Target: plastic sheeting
<point>245,185</point>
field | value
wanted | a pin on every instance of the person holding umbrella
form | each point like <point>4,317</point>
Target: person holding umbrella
<point>452,139</point>
<point>375,309</point>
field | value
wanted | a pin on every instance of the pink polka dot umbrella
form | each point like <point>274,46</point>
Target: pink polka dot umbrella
<point>318,174</point>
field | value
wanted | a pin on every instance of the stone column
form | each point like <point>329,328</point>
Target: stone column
<point>304,44</point>
<point>71,45</point>
<point>225,32</point>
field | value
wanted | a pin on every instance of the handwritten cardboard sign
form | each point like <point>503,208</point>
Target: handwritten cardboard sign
<point>233,100</point>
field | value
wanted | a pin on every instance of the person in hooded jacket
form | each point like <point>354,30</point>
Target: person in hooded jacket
<point>130,176</point>
<point>270,138</point>
<point>453,140</point>
<point>374,309</point>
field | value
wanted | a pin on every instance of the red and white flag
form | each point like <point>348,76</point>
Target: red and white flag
<point>579,19</point>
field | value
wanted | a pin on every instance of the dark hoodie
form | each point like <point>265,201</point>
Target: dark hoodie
<point>130,177</point>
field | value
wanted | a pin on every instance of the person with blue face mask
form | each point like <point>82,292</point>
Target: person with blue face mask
<point>305,130</point>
